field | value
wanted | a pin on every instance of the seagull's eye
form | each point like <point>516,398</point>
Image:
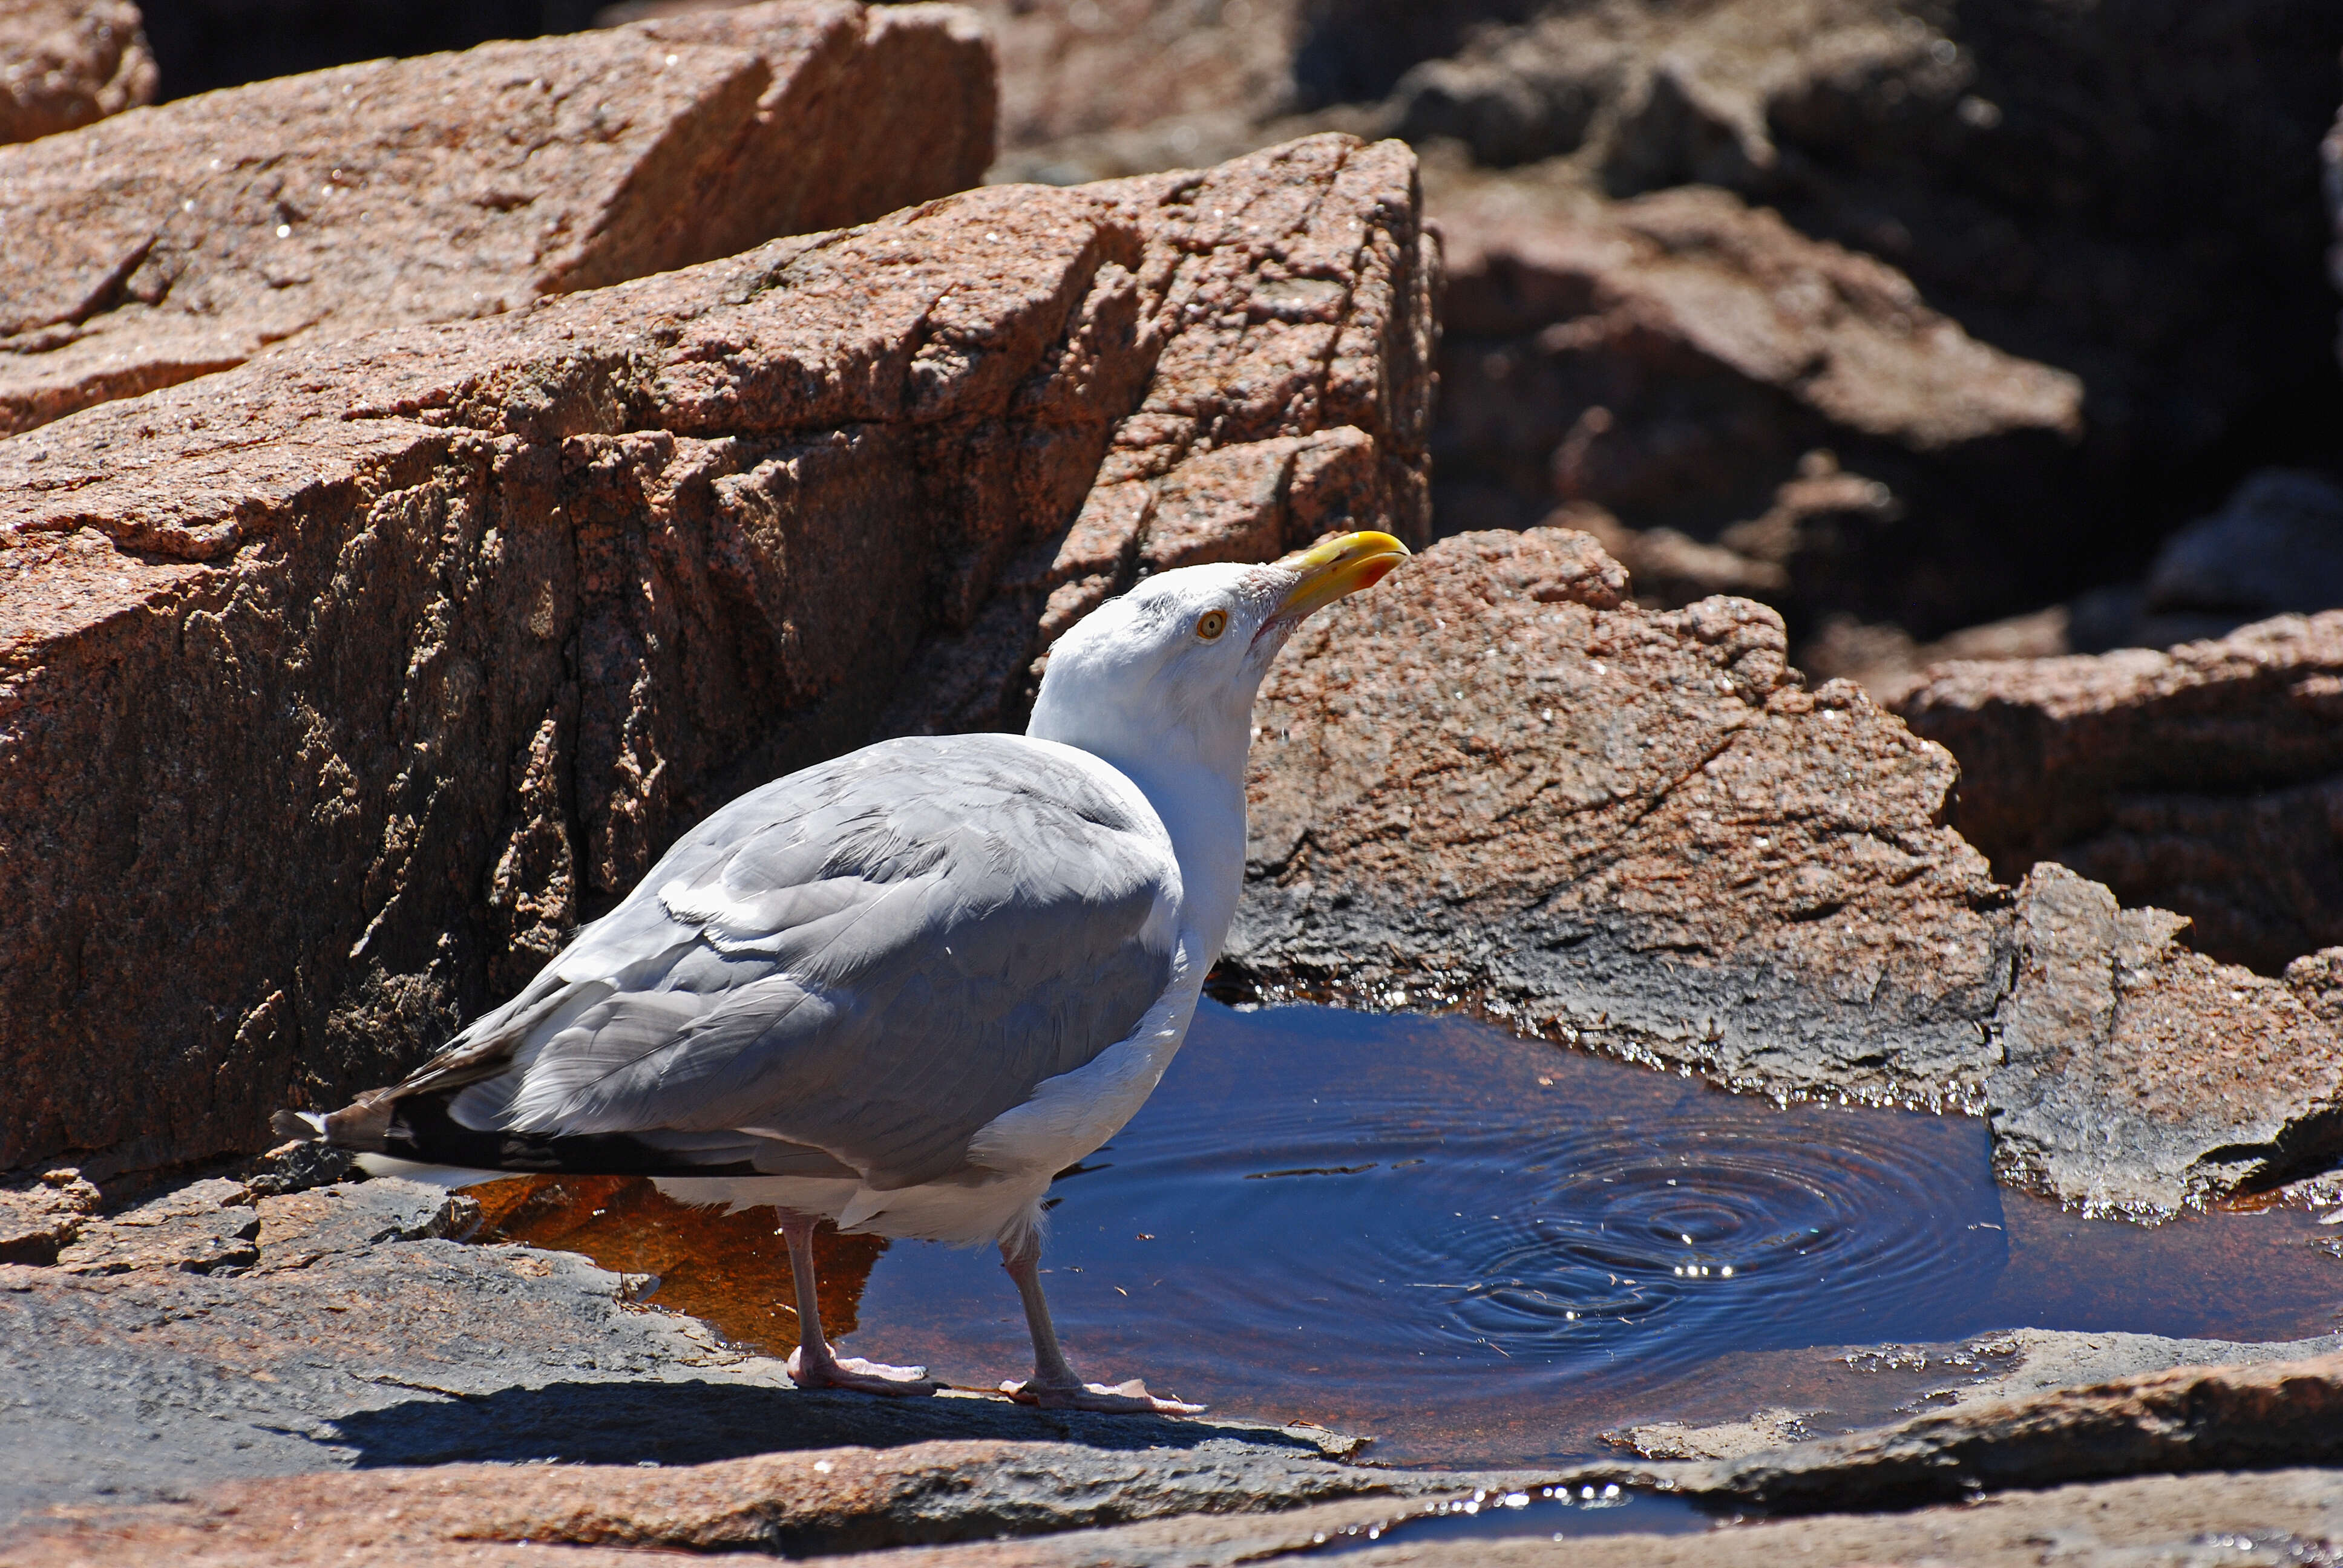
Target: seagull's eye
<point>1211,623</point>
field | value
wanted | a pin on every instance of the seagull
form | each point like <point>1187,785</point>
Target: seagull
<point>900,990</point>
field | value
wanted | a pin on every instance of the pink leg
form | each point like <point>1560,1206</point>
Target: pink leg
<point>811,1364</point>
<point>1054,1385</point>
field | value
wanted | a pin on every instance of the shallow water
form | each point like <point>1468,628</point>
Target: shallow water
<point>1545,1514</point>
<point>1486,1249</point>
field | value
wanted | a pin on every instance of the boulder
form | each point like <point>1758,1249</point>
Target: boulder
<point>2206,779</point>
<point>1497,784</point>
<point>2135,1070</point>
<point>64,63</point>
<point>380,665</point>
<point>167,244</point>
<point>2064,186</point>
<point>1751,410</point>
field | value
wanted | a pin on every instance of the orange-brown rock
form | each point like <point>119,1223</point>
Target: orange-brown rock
<point>1496,782</point>
<point>378,665</point>
<point>64,63</point>
<point>2208,779</point>
<point>2133,1068</point>
<point>1779,416</point>
<point>163,245</point>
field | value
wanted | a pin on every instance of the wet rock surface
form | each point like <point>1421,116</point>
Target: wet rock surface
<point>64,63</point>
<point>169,244</point>
<point>1638,832</point>
<point>625,553</point>
<point>336,1392</point>
<point>349,1331</point>
<point>2202,779</point>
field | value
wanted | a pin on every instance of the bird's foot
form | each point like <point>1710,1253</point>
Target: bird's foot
<point>860,1376</point>
<point>1130,1398</point>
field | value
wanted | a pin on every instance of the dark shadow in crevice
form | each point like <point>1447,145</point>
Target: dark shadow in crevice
<point>670,1423</point>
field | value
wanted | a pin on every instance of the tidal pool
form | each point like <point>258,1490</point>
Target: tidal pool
<point>1484,1250</point>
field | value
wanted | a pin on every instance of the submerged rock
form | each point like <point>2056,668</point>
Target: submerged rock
<point>165,244</point>
<point>64,63</point>
<point>380,664</point>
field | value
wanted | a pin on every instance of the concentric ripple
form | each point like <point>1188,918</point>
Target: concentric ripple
<point>1359,1217</point>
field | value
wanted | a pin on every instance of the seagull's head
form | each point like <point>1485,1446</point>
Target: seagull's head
<point>1169,670</point>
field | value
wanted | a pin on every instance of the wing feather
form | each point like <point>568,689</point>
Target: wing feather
<point>866,962</point>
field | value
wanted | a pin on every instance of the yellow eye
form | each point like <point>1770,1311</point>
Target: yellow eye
<point>1211,623</point>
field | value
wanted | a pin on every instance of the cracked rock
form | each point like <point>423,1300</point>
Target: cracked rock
<point>161,246</point>
<point>2206,779</point>
<point>1498,783</point>
<point>386,662</point>
<point>1645,835</point>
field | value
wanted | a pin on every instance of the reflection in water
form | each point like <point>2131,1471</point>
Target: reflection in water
<point>1482,1249</point>
<point>1547,1513</point>
<point>730,1269</point>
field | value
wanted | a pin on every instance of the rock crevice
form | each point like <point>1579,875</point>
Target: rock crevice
<point>387,660</point>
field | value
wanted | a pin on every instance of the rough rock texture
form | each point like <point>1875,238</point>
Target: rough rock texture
<point>1496,783</point>
<point>830,1500</point>
<point>348,1333</point>
<point>2192,1418</point>
<point>2131,1062</point>
<point>2025,166</point>
<point>1125,63</point>
<point>161,246</point>
<point>282,1410</point>
<point>1636,830</point>
<point>1772,414</point>
<point>2126,192</point>
<point>2020,1364</point>
<point>64,63</point>
<point>2159,1522</point>
<point>1883,659</point>
<point>379,667</point>
<point>2207,779</point>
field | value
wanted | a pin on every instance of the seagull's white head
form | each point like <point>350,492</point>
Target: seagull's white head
<point>1168,672</point>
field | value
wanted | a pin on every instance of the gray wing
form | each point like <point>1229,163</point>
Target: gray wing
<point>872,958</point>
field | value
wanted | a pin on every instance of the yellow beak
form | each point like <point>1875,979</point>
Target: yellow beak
<point>1333,567</point>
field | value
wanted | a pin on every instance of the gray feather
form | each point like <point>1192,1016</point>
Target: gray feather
<point>864,962</point>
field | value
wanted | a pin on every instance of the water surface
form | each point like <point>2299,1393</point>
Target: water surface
<point>1482,1249</point>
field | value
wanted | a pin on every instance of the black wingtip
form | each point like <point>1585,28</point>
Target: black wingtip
<point>296,1126</point>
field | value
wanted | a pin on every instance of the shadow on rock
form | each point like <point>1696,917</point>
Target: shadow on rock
<point>698,1423</point>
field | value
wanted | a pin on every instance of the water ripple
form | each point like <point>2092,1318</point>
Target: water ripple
<point>1426,1197</point>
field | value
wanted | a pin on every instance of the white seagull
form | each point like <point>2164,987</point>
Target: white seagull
<point>902,990</point>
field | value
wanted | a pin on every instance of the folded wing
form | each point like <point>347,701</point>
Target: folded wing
<point>849,971</point>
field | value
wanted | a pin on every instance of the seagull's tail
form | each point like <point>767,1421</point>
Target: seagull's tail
<point>299,1126</point>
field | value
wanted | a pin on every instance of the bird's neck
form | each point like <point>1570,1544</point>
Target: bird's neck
<point>1202,807</point>
<point>1203,810</point>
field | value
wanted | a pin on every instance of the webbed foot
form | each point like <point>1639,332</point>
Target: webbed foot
<point>1130,1398</point>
